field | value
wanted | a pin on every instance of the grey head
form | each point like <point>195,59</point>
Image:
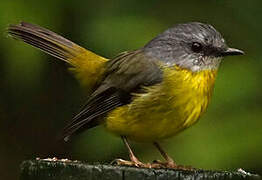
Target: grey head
<point>194,46</point>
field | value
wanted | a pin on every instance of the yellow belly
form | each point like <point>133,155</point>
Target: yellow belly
<point>165,109</point>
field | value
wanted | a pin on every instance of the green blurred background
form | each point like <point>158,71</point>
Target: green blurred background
<point>38,96</point>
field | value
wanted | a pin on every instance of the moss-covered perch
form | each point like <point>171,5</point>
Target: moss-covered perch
<point>62,170</point>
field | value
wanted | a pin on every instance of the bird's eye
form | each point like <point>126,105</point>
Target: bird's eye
<point>196,47</point>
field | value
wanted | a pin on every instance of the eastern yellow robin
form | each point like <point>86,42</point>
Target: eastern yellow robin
<point>148,94</point>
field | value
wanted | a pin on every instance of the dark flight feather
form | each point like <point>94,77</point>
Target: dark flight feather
<point>126,74</point>
<point>95,107</point>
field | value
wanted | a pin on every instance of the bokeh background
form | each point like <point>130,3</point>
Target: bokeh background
<point>38,96</point>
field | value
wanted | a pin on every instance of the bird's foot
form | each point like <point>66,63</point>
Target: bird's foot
<point>170,165</point>
<point>135,163</point>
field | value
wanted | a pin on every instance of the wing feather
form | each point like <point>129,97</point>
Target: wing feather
<point>125,75</point>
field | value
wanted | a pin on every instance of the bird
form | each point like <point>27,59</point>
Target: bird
<point>144,95</point>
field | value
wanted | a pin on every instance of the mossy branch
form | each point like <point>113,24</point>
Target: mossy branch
<point>63,170</point>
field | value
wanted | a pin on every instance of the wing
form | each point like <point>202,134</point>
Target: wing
<point>126,74</point>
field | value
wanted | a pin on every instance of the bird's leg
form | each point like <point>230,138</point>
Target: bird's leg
<point>134,161</point>
<point>169,161</point>
<point>132,156</point>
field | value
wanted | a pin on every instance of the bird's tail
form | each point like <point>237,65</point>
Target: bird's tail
<point>85,63</point>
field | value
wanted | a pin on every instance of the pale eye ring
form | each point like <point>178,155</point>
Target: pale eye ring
<point>196,47</point>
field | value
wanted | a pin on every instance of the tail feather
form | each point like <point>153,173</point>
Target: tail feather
<point>43,45</point>
<point>86,64</point>
<point>46,41</point>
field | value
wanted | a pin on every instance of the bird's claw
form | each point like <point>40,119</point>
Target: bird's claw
<point>155,164</point>
<point>170,165</point>
<point>136,163</point>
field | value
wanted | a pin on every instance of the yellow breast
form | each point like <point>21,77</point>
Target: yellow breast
<point>165,109</point>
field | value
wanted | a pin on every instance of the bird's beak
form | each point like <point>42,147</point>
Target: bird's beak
<point>232,52</point>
